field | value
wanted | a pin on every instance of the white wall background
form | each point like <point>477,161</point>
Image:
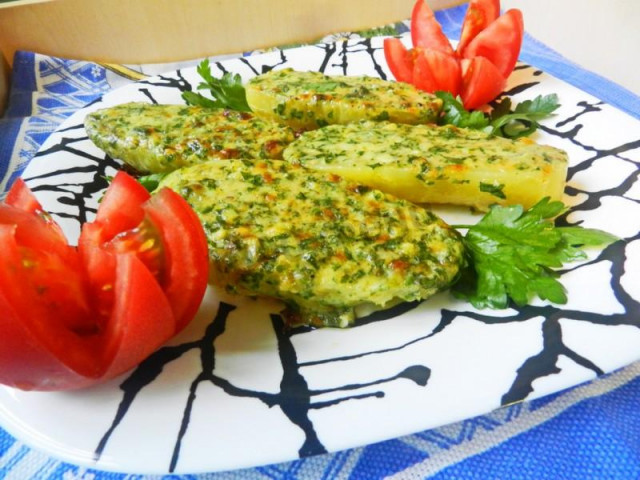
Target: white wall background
<point>600,35</point>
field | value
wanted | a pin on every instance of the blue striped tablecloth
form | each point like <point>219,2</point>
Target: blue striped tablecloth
<point>589,432</point>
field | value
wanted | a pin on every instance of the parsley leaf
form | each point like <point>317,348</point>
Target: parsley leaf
<point>152,180</point>
<point>523,121</point>
<point>502,121</point>
<point>454,113</point>
<point>512,253</point>
<point>227,92</point>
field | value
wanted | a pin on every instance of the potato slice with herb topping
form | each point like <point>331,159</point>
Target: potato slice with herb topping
<point>322,245</point>
<point>161,138</point>
<point>430,164</point>
<point>308,100</point>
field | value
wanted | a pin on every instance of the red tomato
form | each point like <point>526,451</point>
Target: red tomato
<point>185,274</point>
<point>480,14</point>
<point>432,65</point>
<point>481,82</point>
<point>72,318</point>
<point>399,59</point>
<point>22,198</point>
<point>121,207</point>
<point>176,256</point>
<point>426,32</point>
<point>500,42</point>
<point>434,70</point>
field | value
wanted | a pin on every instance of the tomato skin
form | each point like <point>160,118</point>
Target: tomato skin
<point>185,278</point>
<point>434,71</point>
<point>21,197</point>
<point>481,82</point>
<point>500,42</point>
<point>399,60</point>
<point>426,32</point>
<point>480,14</point>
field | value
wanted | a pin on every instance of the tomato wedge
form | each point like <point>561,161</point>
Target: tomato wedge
<point>121,206</point>
<point>399,59</point>
<point>482,82</point>
<point>185,274</point>
<point>426,32</point>
<point>477,70</point>
<point>480,14</point>
<point>21,197</point>
<point>434,71</point>
<point>500,42</point>
<point>162,230</point>
<point>76,317</point>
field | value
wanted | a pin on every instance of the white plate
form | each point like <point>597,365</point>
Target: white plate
<point>266,396</point>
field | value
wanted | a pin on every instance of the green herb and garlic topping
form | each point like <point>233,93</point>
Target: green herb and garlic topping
<point>431,164</point>
<point>309,100</point>
<point>161,138</point>
<point>322,245</point>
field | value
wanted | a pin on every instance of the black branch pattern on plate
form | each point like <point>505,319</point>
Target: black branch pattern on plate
<point>296,398</point>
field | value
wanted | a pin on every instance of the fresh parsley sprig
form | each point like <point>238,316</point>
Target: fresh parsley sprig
<point>512,254</point>
<point>522,121</point>
<point>227,92</point>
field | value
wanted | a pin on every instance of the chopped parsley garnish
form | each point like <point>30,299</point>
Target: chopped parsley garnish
<point>495,190</point>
